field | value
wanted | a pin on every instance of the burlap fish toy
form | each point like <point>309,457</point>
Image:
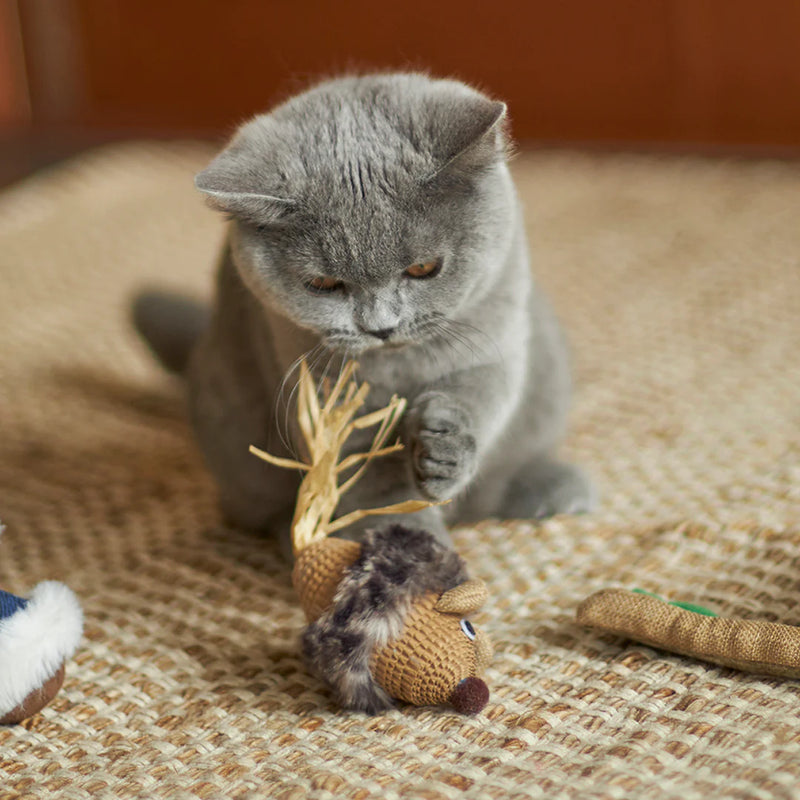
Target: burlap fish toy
<point>758,646</point>
<point>388,617</point>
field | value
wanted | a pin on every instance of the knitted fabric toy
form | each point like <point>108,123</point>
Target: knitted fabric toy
<point>765,648</point>
<point>387,617</point>
<point>37,635</point>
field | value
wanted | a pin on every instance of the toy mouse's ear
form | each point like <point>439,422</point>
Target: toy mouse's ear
<point>465,598</point>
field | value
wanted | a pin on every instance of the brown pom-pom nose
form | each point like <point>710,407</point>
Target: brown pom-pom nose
<point>470,696</point>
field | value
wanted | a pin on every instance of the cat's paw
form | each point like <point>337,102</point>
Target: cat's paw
<point>544,488</point>
<point>443,452</point>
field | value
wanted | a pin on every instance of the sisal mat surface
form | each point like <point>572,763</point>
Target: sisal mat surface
<point>679,283</point>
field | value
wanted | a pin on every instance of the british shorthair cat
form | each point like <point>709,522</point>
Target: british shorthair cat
<point>375,218</point>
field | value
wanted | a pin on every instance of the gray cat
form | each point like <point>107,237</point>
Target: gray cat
<point>374,217</point>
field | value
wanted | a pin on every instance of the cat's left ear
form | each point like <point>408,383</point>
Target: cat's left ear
<point>231,187</point>
<point>473,137</point>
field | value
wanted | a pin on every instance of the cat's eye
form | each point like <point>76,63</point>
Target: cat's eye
<point>428,269</point>
<point>324,285</point>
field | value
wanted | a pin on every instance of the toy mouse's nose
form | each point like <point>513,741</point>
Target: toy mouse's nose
<point>470,696</point>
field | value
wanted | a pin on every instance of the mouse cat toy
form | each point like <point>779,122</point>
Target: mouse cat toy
<point>376,217</point>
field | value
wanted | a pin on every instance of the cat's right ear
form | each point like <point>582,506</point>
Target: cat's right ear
<point>469,134</point>
<point>231,189</point>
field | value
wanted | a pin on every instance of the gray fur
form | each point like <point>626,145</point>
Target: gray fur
<point>357,179</point>
<point>396,566</point>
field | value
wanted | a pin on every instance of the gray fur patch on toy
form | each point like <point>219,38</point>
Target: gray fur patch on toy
<point>396,566</point>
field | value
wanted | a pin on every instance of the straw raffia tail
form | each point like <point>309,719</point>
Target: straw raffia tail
<point>325,429</point>
<point>406,507</point>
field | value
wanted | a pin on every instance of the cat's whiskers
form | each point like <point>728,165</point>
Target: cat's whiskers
<point>440,332</point>
<point>317,354</point>
<point>467,329</point>
<point>455,342</point>
<point>474,338</point>
<point>323,377</point>
<point>280,399</point>
<point>463,332</point>
<point>343,362</point>
<point>455,338</point>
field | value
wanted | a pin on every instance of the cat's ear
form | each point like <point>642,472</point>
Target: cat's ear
<point>471,137</point>
<point>231,187</point>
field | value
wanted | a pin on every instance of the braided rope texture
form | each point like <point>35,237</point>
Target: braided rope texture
<point>679,283</point>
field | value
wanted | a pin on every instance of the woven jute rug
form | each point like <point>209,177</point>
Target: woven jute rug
<point>679,283</point>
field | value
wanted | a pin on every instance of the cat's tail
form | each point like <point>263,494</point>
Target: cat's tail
<point>170,324</point>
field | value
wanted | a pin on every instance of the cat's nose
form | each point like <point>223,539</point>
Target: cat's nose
<point>381,333</point>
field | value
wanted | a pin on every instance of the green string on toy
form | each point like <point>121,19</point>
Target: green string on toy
<point>687,606</point>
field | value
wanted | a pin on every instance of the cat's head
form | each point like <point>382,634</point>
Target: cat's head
<point>370,210</point>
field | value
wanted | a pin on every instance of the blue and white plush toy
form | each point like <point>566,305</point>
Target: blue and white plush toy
<point>37,635</point>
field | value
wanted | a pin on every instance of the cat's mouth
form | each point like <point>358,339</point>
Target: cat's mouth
<point>352,344</point>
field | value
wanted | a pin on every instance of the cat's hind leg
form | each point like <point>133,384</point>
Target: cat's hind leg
<point>229,413</point>
<point>540,487</point>
<point>544,487</point>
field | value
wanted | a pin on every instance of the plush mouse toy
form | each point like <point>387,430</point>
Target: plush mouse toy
<point>37,635</point>
<point>387,617</point>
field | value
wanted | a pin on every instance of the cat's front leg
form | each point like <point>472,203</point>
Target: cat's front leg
<point>454,422</point>
<point>442,443</point>
<point>386,482</point>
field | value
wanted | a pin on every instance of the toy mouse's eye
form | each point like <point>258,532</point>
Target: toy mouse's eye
<point>469,631</point>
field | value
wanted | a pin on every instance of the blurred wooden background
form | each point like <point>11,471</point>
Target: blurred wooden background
<point>663,73</point>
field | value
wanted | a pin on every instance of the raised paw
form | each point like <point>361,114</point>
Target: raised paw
<point>443,452</point>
